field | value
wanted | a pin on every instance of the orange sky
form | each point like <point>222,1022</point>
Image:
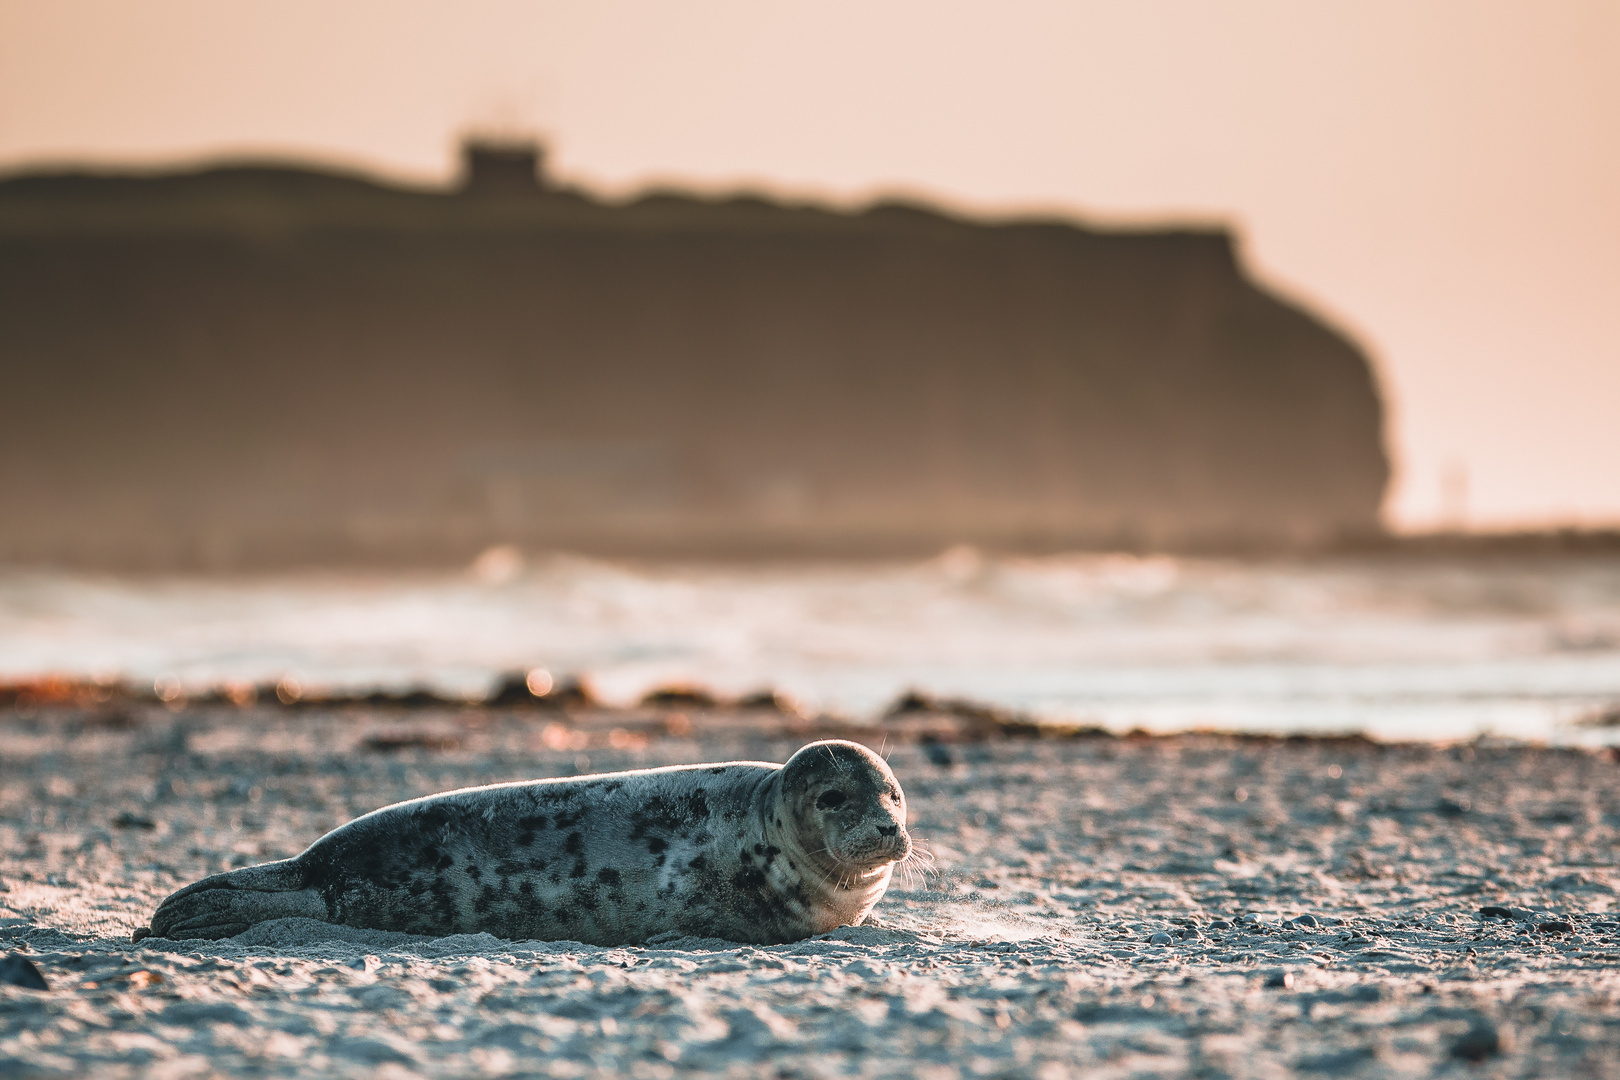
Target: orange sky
<point>1442,179</point>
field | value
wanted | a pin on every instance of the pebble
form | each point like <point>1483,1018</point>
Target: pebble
<point>1161,938</point>
<point>18,970</point>
<point>1281,980</point>
<point>127,820</point>
<point>1309,921</point>
<point>1556,928</point>
<point>1480,1041</point>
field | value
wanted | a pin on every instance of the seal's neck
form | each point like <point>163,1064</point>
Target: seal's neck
<point>836,894</point>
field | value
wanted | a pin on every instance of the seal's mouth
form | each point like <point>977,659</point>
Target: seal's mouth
<point>866,872</point>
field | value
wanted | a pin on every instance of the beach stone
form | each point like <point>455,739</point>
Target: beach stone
<point>127,820</point>
<point>191,1013</point>
<point>1280,980</point>
<point>1556,927</point>
<point>1307,921</point>
<point>1482,1040</point>
<point>1161,938</point>
<point>1338,1062</point>
<point>18,970</point>
<point>378,1050</point>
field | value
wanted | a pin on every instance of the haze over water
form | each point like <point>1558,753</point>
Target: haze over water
<point>1398,649</point>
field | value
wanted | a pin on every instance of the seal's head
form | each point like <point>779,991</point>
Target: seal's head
<point>846,795</point>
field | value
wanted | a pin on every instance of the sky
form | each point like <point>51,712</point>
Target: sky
<point>1439,178</point>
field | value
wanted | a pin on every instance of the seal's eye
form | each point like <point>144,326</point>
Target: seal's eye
<point>830,800</point>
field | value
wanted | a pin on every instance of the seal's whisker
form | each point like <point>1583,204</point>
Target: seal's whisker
<point>825,876</point>
<point>916,874</point>
<point>920,862</point>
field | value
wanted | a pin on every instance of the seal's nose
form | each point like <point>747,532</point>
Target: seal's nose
<point>890,831</point>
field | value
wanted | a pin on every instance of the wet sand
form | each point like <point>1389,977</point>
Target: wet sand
<point>1098,906</point>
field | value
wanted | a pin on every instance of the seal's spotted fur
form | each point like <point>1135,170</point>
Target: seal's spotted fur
<point>747,851</point>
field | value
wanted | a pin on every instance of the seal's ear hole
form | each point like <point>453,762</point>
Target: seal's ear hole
<point>830,799</point>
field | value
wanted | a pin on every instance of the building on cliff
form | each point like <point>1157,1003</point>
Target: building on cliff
<point>256,365</point>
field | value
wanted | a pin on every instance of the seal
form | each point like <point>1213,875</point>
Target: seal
<point>745,850</point>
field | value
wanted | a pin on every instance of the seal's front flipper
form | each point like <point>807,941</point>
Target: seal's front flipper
<point>226,904</point>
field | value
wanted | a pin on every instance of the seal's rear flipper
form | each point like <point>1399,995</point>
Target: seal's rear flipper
<point>226,904</point>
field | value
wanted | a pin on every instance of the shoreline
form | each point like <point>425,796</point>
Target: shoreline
<point>572,719</point>
<point>1494,546</point>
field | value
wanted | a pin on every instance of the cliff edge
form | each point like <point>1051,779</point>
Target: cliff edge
<point>256,365</point>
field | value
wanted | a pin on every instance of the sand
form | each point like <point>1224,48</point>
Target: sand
<point>1098,906</point>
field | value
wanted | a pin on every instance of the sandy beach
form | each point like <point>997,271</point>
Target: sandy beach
<point>1194,905</point>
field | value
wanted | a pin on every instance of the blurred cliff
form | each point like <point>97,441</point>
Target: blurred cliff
<point>253,366</point>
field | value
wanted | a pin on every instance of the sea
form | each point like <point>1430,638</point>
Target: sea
<point>1394,647</point>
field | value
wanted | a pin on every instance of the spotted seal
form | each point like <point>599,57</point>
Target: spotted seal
<point>744,850</point>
